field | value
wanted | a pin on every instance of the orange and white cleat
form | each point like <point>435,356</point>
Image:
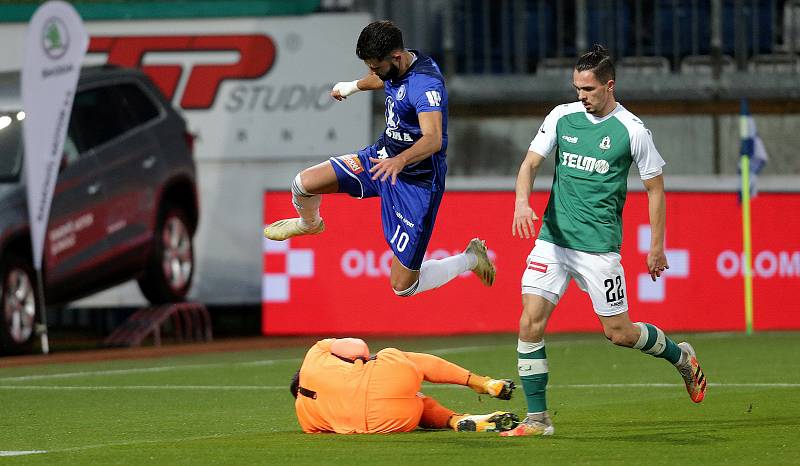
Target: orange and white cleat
<point>692,375</point>
<point>540,425</point>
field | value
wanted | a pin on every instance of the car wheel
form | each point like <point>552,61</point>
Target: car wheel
<point>20,305</point>
<point>171,267</point>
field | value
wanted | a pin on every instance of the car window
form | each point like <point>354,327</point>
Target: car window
<point>98,115</point>
<point>139,104</point>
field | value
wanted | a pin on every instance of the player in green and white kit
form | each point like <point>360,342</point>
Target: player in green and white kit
<point>596,140</point>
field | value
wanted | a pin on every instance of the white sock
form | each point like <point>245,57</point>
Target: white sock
<point>435,273</point>
<point>307,205</point>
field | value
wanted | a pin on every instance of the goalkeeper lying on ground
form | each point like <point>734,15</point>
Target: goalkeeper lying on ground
<point>340,388</point>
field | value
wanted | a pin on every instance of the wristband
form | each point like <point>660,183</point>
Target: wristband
<point>346,88</point>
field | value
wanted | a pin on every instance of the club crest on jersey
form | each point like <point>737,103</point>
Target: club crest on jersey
<point>353,163</point>
<point>605,144</point>
<point>401,93</point>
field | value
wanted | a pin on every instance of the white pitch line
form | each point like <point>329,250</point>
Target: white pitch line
<point>110,445</point>
<point>426,386</point>
<point>143,387</point>
<point>142,370</point>
<point>21,452</point>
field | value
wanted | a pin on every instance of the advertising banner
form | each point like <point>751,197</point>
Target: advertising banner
<point>250,88</point>
<point>337,283</point>
<point>54,49</point>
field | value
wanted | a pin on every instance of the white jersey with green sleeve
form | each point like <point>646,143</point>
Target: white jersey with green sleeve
<point>590,180</point>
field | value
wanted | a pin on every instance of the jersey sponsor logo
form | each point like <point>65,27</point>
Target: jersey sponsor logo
<point>585,163</point>
<point>434,98</point>
<point>398,136</point>
<point>537,267</point>
<point>605,144</point>
<point>392,118</point>
<point>353,163</point>
<point>601,166</point>
<point>571,139</point>
<point>401,93</point>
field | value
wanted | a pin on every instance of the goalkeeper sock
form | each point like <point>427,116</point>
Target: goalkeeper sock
<point>654,342</point>
<point>434,415</point>
<point>533,372</point>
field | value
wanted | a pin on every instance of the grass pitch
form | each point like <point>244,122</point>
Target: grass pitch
<point>610,406</point>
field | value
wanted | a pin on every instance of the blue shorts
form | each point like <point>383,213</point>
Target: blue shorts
<point>408,211</point>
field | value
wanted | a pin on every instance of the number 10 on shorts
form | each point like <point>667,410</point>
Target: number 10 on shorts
<point>402,240</point>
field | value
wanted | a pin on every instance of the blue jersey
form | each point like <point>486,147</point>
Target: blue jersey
<point>408,208</point>
<point>420,89</point>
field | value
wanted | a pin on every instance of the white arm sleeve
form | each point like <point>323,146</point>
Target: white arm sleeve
<point>645,154</point>
<point>545,140</point>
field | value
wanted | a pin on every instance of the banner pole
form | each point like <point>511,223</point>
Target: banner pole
<point>41,328</point>
<point>747,243</point>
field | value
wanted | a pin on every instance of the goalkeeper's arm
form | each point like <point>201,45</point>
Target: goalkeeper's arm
<point>345,88</point>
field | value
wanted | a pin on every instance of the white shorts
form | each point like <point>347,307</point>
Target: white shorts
<point>549,268</point>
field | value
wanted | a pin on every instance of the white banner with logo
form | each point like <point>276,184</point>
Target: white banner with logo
<point>55,46</point>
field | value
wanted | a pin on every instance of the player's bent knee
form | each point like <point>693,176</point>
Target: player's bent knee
<point>407,292</point>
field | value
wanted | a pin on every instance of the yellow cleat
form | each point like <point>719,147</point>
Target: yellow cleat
<point>290,227</point>
<point>498,421</point>
<point>484,269</point>
<point>499,388</point>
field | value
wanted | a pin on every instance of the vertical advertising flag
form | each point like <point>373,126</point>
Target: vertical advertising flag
<point>54,49</point>
<point>55,46</point>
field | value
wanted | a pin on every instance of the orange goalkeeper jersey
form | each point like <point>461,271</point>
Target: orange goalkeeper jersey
<point>347,400</point>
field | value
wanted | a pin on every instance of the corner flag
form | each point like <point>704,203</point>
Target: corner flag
<point>751,147</point>
<point>752,158</point>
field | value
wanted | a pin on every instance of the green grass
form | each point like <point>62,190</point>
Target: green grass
<point>234,408</point>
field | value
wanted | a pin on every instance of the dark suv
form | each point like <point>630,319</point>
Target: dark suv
<point>125,205</point>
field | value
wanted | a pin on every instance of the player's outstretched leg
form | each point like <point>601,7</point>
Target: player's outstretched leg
<point>435,273</point>
<point>307,205</point>
<point>484,268</point>
<point>498,421</point>
<point>692,375</point>
<point>653,341</point>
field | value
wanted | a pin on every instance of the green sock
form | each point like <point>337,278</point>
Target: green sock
<point>653,341</point>
<point>533,373</point>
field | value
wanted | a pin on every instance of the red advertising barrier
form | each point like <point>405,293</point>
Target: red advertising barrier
<point>338,282</point>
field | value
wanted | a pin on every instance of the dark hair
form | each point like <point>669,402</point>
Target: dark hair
<point>378,40</point>
<point>295,385</point>
<point>598,61</point>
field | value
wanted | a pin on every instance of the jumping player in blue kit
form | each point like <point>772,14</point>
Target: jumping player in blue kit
<point>406,167</point>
